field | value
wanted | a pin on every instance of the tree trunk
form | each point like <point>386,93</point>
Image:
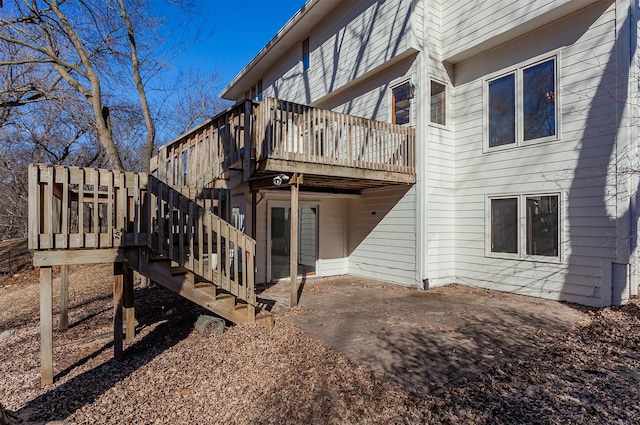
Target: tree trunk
<point>135,67</point>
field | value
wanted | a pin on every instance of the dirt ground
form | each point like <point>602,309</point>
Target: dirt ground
<point>451,355</point>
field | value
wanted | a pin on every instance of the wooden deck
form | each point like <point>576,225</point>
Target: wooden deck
<point>137,222</point>
<point>172,226</point>
<point>261,140</point>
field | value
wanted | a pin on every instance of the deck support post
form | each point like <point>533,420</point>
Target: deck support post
<point>64,297</point>
<point>46,326</point>
<point>254,213</point>
<point>118,295</point>
<point>129,311</point>
<point>293,246</point>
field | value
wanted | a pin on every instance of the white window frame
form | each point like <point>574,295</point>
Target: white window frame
<point>446,104</point>
<point>522,228</point>
<point>412,105</point>
<point>519,113</point>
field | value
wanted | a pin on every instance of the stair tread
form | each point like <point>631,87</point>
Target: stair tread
<point>179,270</point>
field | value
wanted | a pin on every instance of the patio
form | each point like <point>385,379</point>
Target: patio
<point>426,340</point>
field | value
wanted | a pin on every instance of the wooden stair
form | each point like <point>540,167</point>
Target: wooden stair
<point>145,218</point>
<point>204,293</point>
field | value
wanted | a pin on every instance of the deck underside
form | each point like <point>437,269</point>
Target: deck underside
<point>325,177</point>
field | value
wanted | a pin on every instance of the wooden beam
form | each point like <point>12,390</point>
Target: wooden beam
<point>299,166</point>
<point>64,297</point>
<point>118,286</point>
<point>262,183</point>
<point>293,248</point>
<point>129,312</point>
<point>46,326</point>
<point>89,256</point>
<point>34,207</point>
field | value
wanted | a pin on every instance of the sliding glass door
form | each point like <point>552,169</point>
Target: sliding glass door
<point>280,230</point>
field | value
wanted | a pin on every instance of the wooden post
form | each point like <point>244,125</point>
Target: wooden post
<point>118,285</point>
<point>46,326</point>
<point>293,251</point>
<point>254,213</point>
<point>246,158</point>
<point>129,312</point>
<point>64,297</point>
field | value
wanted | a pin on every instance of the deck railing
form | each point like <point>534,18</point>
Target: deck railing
<point>204,153</point>
<point>76,208</point>
<point>294,132</point>
<point>277,129</point>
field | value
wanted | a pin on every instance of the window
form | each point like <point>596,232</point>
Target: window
<point>305,54</point>
<point>255,93</point>
<point>542,226</point>
<point>438,103</point>
<point>400,103</point>
<point>534,233</point>
<point>504,225</point>
<point>522,105</point>
<point>502,111</point>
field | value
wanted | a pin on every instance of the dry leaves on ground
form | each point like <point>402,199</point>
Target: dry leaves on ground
<point>252,375</point>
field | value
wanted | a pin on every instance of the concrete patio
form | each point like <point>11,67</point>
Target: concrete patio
<point>426,340</point>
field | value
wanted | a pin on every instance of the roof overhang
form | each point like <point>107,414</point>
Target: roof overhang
<point>293,32</point>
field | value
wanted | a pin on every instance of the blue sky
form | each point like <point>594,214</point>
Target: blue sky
<point>241,29</point>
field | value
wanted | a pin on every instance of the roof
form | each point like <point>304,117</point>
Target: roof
<point>293,32</point>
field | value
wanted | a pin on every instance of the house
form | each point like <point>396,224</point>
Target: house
<point>526,144</point>
<point>419,142</point>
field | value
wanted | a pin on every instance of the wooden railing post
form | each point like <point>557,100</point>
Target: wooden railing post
<point>246,163</point>
<point>162,164</point>
<point>34,207</point>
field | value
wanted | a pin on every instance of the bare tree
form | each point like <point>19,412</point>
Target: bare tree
<point>137,78</point>
<point>68,71</point>
<point>191,100</point>
<point>75,40</point>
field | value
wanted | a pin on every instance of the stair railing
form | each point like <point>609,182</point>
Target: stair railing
<point>88,208</point>
<point>202,242</point>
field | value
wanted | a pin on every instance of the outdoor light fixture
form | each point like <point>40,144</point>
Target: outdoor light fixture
<point>277,180</point>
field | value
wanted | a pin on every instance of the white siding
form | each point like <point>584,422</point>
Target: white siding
<point>332,259</point>
<point>577,166</point>
<point>471,27</point>
<point>356,38</point>
<point>437,173</point>
<point>364,46</point>
<point>382,235</point>
<point>372,98</point>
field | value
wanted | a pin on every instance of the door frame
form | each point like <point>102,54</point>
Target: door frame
<point>275,203</point>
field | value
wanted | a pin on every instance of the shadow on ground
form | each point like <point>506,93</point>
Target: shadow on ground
<point>170,316</point>
<point>429,340</point>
